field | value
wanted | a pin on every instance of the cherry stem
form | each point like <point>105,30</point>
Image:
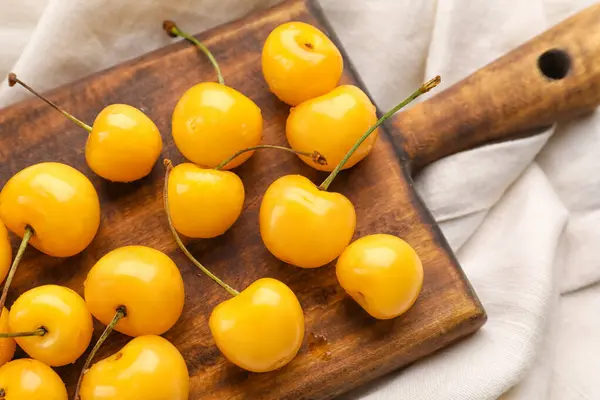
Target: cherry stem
<point>119,314</point>
<point>13,268</point>
<point>172,30</point>
<point>229,289</point>
<point>12,80</point>
<point>426,87</point>
<point>38,332</point>
<point>315,155</point>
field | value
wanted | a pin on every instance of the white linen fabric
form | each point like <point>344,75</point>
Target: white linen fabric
<point>523,216</point>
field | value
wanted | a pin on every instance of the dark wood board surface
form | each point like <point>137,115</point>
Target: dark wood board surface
<point>344,347</point>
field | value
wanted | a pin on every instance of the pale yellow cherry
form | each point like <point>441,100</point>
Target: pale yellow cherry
<point>27,379</point>
<point>299,62</point>
<point>383,273</point>
<point>331,124</point>
<point>123,144</point>
<point>147,368</point>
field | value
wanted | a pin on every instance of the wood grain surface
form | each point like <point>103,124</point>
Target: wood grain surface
<point>553,77</point>
<point>344,346</point>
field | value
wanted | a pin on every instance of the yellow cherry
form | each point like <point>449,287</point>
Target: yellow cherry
<point>300,62</point>
<point>145,281</point>
<point>148,368</point>
<point>212,121</point>
<point>27,379</point>
<point>39,204</point>
<point>45,197</point>
<point>5,252</point>
<point>260,330</point>
<point>7,345</point>
<point>382,273</point>
<point>304,226</point>
<point>123,144</point>
<point>204,203</point>
<point>331,124</point>
<point>51,324</point>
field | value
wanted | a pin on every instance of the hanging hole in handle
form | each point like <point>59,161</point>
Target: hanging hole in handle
<point>554,64</point>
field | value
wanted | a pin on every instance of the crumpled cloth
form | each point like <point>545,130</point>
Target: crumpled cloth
<point>523,216</point>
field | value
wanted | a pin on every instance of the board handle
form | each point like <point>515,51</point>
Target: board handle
<point>553,77</point>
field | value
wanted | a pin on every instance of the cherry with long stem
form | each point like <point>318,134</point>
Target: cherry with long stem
<point>172,30</point>
<point>119,314</point>
<point>13,80</point>
<point>426,87</point>
<point>13,268</point>
<point>315,155</point>
<point>229,289</point>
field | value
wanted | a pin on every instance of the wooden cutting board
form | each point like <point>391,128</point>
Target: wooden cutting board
<point>344,347</point>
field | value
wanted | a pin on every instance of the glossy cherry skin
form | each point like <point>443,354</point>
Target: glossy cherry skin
<point>46,197</point>
<point>148,368</point>
<point>27,379</point>
<point>204,203</point>
<point>63,314</point>
<point>5,252</point>
<point>304,226</point>
<point>331,124</point>
<point>382,273</point>
<point>211,122</point>
<point>144,280</point>
<point>124,144</point>
<point>7,345</point>
<point>262,328</point>
<point>300,62</point>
